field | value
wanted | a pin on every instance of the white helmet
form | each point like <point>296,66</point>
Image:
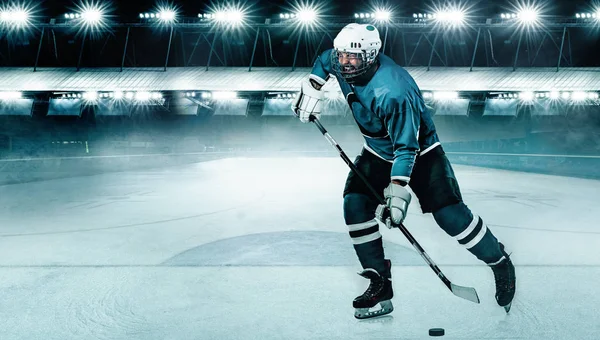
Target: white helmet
<point>360,39</point>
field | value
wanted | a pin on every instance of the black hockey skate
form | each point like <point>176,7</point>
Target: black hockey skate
<point>379,292</point>
<point>504,274</point>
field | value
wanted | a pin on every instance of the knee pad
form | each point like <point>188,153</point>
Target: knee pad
<point>453,219</point>
<point>358,208</point>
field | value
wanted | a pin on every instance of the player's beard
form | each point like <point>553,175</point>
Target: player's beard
<point>350,69</point>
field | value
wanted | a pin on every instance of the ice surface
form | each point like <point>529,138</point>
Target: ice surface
<point>257,249</point>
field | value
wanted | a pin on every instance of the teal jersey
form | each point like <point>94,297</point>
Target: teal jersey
<point>390,113</point>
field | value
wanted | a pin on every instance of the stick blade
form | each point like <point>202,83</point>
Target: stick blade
<point>467,293</point>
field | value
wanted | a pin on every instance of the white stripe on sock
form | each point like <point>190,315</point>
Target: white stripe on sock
<point>364,225</point>
<point>366,238</point>
<point>495,263</point>
<point>469,229</point>
<point>477,238</point>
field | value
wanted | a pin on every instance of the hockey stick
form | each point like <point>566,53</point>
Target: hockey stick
<point>467,293</point>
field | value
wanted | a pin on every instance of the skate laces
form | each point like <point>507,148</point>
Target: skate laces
<point>502,273</point>
<point>375,286</point>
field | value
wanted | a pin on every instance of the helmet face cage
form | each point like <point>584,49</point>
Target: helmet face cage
<point>367,60</point>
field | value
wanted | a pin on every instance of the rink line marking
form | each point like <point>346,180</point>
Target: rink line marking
<point>243,206</point>
<point>255,201</point>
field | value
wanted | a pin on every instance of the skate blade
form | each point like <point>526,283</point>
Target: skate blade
<point>366,313</point>
<point>507,307</point>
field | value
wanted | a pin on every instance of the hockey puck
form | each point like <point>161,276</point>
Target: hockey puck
<point>436,331</point>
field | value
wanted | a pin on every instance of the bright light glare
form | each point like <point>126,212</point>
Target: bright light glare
<point>90,96</point>
<point>237,16</point>
<point>554,95</point>
<point>92,16</point>
<point>167,15</point>
<point>452,17</point>
<point>528,16</point>
<point>382,15</point>
<point>230,16</point>
<point>15,16</point>
<point>143,96</point>
<point>443,95</point>
<point>307,15</point>
<point>224,95</point>
<point>579,96</point>
<point>10,95</point>
<point>526,96</point>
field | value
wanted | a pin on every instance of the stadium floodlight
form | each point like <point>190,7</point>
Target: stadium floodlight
<point>423,17</point>
<point>92,16</point>
<point>554,95</point>
<point>306,15</point>
<point>593,95</point>
<point>579,96</point>
<point>566,95</point>
<point>224,95</point>
<point>16,16</point>
<point>595,15</point>
<point>143,96</point>
<point>10,95</point>
<point>528,16</point>
<point>451,17</point>
<point>72,95</point>
<point>287,15</point>
<point>118,95</point>
<point>89,17</point>
<point>526,96</point>
<point>445,95</point>
<point>229,16</point>
<point>167,15</point>
<point>90,96</point>
<point>508,15</point>
<point>163,15</point>
<point>383,15</point>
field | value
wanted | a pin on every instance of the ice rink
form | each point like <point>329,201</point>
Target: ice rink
<point>256,248</point>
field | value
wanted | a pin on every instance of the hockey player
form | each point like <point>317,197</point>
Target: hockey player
<point>401,149</point>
